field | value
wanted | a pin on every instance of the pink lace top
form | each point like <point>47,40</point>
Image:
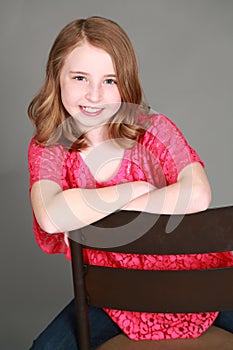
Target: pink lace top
<point>157,158</point>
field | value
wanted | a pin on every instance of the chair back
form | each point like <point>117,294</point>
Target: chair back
<point>168,291</point>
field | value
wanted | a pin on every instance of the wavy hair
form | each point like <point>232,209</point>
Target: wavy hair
<point>52,122</point>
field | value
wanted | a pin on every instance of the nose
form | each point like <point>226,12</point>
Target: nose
<point>94,92</point>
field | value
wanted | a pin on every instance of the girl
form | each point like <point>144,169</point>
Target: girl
<point>98,149</point>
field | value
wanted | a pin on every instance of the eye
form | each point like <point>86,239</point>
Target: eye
<point>79,78</point>
<point>110,81</point>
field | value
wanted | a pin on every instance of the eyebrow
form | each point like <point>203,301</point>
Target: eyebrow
<point>84,73</point>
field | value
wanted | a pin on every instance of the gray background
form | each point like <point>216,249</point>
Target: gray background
<point>185,52</point>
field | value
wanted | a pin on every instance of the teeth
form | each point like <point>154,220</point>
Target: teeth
<point>90,109</point>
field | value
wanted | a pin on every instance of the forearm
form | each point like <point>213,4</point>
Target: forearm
<point>188,195</point>
<point>160,201</point>
<point>76,208</point>
<point>61,211</point>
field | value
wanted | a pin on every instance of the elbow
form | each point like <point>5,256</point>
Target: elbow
<point>45,211</point>
<point>47,226</point>
<point>46,223</point>
<point>201,197</point>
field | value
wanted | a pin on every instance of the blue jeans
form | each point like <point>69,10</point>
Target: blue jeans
<point>61,333</point>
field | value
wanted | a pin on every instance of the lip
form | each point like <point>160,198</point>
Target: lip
<point>91,111</point>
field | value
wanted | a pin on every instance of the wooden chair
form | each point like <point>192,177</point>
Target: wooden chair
<point>159,291</point>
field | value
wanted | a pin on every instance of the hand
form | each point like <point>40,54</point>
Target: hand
<point>142,190</point>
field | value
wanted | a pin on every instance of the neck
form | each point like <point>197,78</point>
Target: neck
<point>97,136</point>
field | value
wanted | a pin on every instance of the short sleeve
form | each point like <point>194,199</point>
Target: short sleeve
<point>46,163</point>
<point>170,147</point>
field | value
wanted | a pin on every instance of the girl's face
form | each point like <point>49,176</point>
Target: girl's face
<point>88,85</point>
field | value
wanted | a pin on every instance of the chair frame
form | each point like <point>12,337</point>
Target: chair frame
<point>198,233</point>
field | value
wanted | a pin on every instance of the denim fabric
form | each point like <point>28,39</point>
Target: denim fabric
<point>225,321</point>
<point>61,332</point>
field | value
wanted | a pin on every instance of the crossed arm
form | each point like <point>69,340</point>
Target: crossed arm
<point>60,211</point>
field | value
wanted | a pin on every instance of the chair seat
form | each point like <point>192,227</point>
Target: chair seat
<point>213,339</point>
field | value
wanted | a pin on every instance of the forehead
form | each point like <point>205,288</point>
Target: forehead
<point>87,56</point>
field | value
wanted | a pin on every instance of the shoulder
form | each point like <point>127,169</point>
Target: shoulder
<point>161,127</point>
<point>160,122</point>
<point>165,139</point>
<point>46,163</point>
<point>37,151</point>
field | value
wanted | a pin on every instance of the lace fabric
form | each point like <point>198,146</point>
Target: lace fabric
<point>157,158</point>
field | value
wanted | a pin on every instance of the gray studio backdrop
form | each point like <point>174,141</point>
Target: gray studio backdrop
<point>185,53</point>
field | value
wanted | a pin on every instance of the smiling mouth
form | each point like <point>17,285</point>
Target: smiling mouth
<point>91,111</point>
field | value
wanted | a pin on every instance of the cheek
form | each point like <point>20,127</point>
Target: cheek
<point>68,95</point>
<point>67,102</point>
<point>115,96</point>
<point>114,107</point>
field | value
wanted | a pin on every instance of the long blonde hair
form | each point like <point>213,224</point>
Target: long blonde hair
<point>46,110</point>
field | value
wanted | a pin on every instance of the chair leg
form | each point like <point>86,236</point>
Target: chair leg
<point>83,334</point>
